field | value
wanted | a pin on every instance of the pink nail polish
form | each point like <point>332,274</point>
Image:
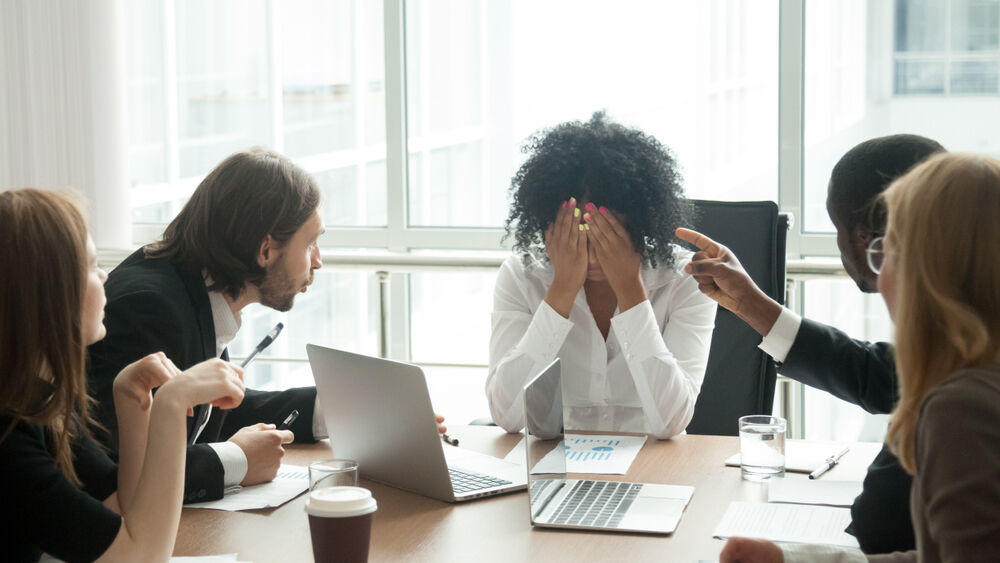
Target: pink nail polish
<point>564,204</point>
<point>586,217</point>
<point>604,210</point>
<point>590,206</point>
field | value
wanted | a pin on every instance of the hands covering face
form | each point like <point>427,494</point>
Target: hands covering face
<point>602,235</point>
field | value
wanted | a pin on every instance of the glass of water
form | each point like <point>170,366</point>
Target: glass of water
<point>762,447</point>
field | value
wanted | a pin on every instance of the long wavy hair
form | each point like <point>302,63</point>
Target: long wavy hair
<point>605,163</point>
<point>43,258</point>
<point>944,234</point>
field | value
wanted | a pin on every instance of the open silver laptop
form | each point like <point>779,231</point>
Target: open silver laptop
<point>558,502</point>
<point>378,412</point>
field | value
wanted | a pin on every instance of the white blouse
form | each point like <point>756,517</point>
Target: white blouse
<point>644,378</point>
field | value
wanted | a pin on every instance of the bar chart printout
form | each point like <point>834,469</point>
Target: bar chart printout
<point>610,455</point>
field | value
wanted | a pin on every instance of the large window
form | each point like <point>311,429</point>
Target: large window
<point>411,115</point>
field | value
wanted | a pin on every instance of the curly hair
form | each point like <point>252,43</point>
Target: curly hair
<point>606,163</point>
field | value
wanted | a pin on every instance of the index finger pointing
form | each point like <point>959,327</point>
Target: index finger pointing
<point>699,240</point>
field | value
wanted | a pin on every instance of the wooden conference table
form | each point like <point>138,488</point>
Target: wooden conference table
<point>410,527</point>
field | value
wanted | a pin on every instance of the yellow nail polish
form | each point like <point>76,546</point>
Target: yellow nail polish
<point>576,212</point>
<point>581,227</point>
<point>585,227</point>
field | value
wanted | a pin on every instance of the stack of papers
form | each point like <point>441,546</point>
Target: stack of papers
<point>793,523</point>
<point>808,491</point>
<point>292,480</point>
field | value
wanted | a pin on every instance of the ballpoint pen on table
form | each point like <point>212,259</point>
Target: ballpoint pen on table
<point>268,339</point>
<point>830,462</point>
<point>448,440</point>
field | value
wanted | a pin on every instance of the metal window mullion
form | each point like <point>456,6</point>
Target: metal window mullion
<point>791,74</point>
<point>171,113</point>
<point>274,75</point>
<point>395,122</point>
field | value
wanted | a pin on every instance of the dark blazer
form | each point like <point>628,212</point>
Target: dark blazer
<point>862,373</point>
<point>155,306</point>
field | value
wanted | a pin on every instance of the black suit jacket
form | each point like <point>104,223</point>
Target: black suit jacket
<point>155,306</point>
<point>862,373</point>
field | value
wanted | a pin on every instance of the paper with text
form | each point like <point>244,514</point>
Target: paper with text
<point>291,481</point>
<point>793,523</point>
<point>809,491</point>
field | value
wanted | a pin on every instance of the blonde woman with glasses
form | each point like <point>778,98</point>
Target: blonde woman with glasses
<point>939,273</point>
<point>59,492</point>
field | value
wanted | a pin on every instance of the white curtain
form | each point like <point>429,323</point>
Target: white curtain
<point>63,107</point>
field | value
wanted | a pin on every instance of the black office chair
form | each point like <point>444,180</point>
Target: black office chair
<point>740,377</point>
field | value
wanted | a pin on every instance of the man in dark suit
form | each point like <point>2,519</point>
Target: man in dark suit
<point>860,372</point>
<point>247,235</point>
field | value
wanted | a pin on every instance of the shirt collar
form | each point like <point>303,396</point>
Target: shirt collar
<point>226,323</point>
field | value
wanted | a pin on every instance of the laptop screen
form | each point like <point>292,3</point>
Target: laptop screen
<point>543,436</point>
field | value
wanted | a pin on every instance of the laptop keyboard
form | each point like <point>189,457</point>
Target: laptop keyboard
<point>464,481</point>
<point>599,504</point>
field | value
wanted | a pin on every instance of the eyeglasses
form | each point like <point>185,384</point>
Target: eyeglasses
<point>876,254</point>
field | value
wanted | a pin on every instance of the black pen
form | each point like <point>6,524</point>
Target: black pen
<point>289,420</point>
<point>268,339</point>
<point>447,440</point>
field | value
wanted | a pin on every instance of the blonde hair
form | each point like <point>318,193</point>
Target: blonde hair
<point>43,257</point>
<point>944,234</point>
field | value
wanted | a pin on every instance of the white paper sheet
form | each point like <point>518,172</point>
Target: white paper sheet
<point>585,453</point>
<point>793,523</point>
<point>809,491</point>
<point>227,558</point>
<point>800,456</point>
<point>292,480</point>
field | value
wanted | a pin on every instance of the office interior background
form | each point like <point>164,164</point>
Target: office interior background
<point>411,115</point>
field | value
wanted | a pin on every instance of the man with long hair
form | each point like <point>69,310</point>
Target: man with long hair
<point>247,235</point>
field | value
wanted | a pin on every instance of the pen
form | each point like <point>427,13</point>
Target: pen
<point>289,420</point>
<point>268,339</point>
<point>447,440</point>
<point>830,462</point>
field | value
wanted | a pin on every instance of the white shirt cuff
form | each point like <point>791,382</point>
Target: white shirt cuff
<point>234,462</point>
<point>813,553</point>
<point>319,423</point>
<point>779,340</point>
<point>546,333</point>
<point>638,334</point>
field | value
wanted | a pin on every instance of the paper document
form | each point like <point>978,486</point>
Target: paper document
<point>809,491</point>
<point>292,480</point>
<point>227,558</point>
<point>800,456</point>
<point>584,453</point>
<point>793,523</point>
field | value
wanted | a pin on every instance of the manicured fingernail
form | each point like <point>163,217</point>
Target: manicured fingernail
<point>565,204</point>
<point>586,216</point>
<point>576,212</point>
<point>581,227</point>
<point>585,227</point>
<point>590,206</point>
<point>572,201</point>
<point>604,210</point>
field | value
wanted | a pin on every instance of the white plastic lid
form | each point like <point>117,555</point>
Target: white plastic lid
<point>340,502</point>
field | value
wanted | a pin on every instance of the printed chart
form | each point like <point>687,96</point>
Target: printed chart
<point>601,454</point>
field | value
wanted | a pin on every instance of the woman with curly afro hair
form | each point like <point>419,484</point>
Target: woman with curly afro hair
<point>594,280</point>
